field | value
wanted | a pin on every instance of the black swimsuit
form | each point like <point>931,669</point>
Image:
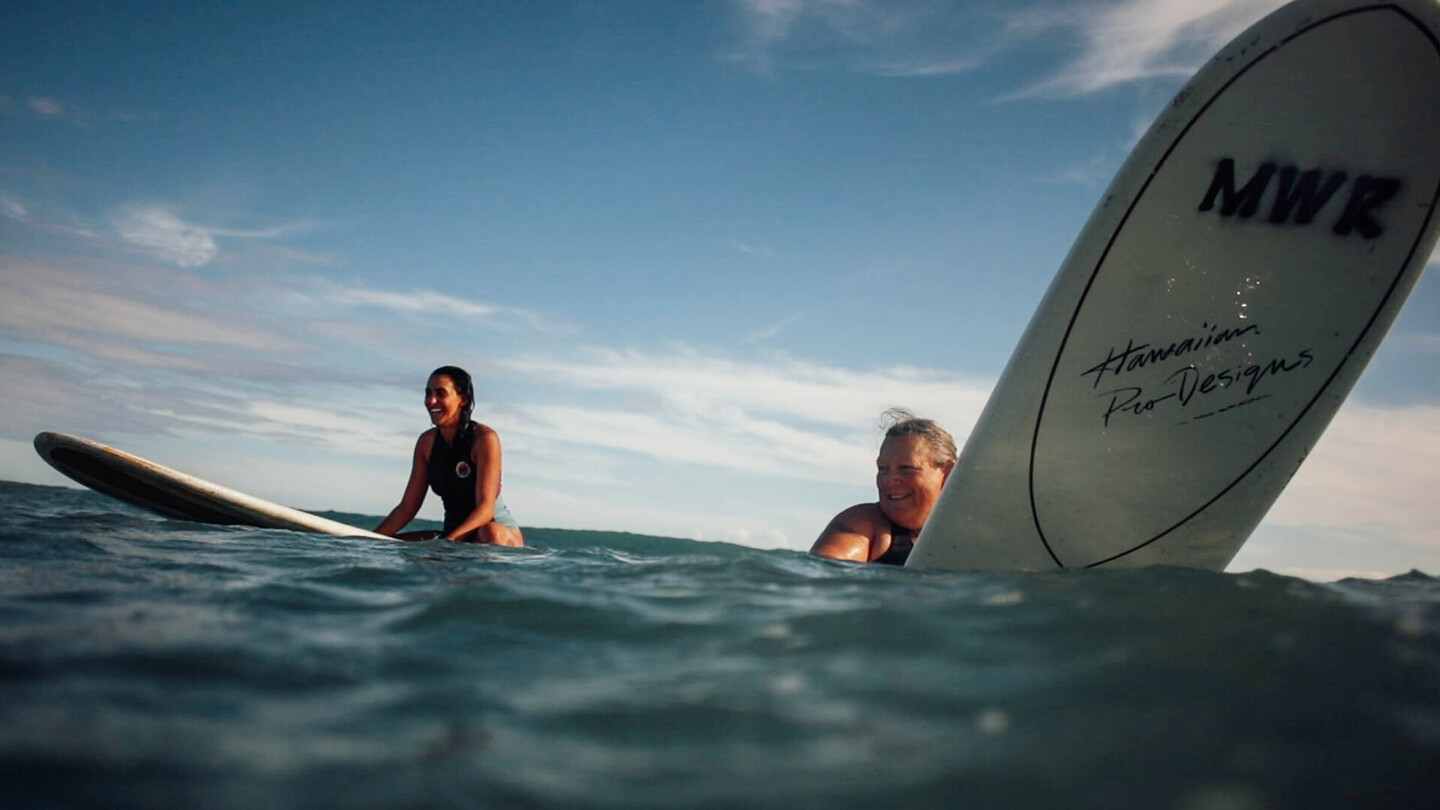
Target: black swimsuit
<point>452,474</point>
<point>901,543</point>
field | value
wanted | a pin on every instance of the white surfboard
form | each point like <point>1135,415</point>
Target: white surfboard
<point>1218,306</point>
<point>174,494</point>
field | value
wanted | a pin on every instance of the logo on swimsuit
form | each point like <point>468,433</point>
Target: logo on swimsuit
<point>462,470</point>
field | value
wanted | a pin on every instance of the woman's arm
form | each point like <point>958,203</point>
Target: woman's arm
<point>414,496</point>
<point>485,454</point>
<point>860,533</point>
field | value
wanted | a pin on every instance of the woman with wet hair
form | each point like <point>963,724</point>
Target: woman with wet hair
<point>460,460</point>
<point>915,458</point>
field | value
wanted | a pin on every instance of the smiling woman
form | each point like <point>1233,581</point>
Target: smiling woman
<point>460,460</point>
<point>915,459</point>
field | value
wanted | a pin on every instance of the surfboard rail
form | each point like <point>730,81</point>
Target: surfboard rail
<point>174,494</point>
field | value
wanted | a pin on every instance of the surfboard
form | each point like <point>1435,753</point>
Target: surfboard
<point>172,493</point>
<point>1217,307</point>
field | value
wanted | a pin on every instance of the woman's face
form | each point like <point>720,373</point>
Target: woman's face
<point>908,480</point>
<point>442,401</point>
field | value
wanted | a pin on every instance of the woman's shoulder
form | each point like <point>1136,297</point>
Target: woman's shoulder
<point>863,518</point>
<point>487,441</point>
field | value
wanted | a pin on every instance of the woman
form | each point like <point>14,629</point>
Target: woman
<point>915,459</point>
<point>460,460</point>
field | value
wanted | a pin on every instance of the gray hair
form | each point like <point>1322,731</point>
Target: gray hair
<point>900,422</point>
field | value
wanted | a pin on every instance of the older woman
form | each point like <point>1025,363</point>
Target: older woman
<point>460,460</point>
<point>915,459</point>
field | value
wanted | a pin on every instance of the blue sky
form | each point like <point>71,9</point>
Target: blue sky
<point>690,250</point>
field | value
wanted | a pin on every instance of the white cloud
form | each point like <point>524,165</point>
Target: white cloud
<point>752,250</point>
<point>54,109</point>
<point>772,331</point>
<point>42,303</point>
<point>779,417</point>
<point>165,236</point>
<point>48,107</point>
<point>882,38</point>
<point>1374,470</point>
<point>762,448</point>
<point>1142,39</point>
<point>772,19</point>
<point>921,68</point>
<point>429,302</point>
<point>1119,42</point>
<point>1428,343</point>
<point>418,302</point>
<point>11,207</point>
<point>364,431</point>
<point>162,234</point>
<point>38,218</point>
<point>708,387</point>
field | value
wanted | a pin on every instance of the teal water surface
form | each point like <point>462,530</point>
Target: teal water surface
<point>155,663</point>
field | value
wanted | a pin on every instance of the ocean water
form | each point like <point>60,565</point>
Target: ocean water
<point>154,663</point>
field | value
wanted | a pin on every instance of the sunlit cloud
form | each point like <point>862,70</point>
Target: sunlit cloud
<point>1426,342</point>
<point>1116,44</point>
<point>1372,471</point>
<point>323,422</point>
<point>422,301</point>
<point>753,250</point>
<point>1140,39</point>
<point>38,219</point>
<point>160,233</point>
<point>716,387</point>
<point>882,38</point>
<point>429,302</point>
<point>40,395</point>
<point>11,207</point>
<point>922,67</point>
<point>47,304</point>
<point>48,107</point>
<point>166,237</point>
<point>775,417</point>
<point>761,448</point>
<point>774,330</point>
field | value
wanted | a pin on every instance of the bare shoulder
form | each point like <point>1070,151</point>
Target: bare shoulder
<point>425,443</point>
<point>862,518</point>
<point>851,534</point>
<point>486,439</point>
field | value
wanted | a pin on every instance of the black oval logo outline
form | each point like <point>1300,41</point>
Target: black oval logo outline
<point>1115,234</point>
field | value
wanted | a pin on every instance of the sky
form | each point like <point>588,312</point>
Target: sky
<point>690,251</point>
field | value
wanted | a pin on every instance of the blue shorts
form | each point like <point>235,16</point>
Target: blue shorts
<point>502,514</point>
